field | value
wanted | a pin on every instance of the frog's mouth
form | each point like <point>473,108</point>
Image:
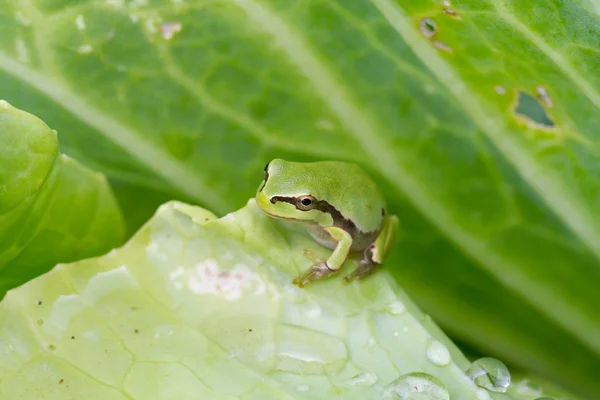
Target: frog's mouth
<point>263,200</point>
<point>283,218</point>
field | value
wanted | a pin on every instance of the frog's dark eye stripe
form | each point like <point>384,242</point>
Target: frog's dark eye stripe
<point>306,203</point>
<point>320,205</point>
<point>275,199</point>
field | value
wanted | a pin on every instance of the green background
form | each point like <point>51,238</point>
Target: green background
<point>500,240</point>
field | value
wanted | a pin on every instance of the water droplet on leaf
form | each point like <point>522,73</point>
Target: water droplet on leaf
<point>363,379</point>
<point>437,352</point>
<point>490,374</point>
<point>415,386</point>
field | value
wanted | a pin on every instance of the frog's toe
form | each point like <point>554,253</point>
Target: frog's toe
<point>301,280</point>
<point>365,269</point>
<point>315,272</point>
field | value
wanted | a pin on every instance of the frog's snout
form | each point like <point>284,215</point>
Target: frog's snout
<point>262,200</point>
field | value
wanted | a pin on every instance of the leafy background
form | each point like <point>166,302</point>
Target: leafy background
<point>500,239</point>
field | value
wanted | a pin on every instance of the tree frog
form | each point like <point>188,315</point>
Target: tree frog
<point>340,206</point>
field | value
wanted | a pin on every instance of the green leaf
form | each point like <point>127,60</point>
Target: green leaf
<point>501,237</point>
<point>51,208</point>
<point>198,307</point>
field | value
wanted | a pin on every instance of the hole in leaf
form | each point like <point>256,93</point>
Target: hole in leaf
<point>530,108</point>
<point>428,27</point>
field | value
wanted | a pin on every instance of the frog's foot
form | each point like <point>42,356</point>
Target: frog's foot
<point>364,269</point>
<point>315,272</point>
<point>308,254</point>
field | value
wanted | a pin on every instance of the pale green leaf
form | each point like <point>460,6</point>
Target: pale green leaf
<point>195,307</point>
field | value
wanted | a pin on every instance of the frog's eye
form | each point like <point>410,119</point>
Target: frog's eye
<point>267,172</point>
<point>306,203</point>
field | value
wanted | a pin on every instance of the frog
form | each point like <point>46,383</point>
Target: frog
<point>340,206</point>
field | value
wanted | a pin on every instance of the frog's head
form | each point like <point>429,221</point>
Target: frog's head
<point>287,193</point>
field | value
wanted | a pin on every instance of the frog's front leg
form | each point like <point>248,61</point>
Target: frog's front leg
<point>376,252</point>
<point>335,261</point>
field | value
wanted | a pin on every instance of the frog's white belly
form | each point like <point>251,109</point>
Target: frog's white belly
<point>322,236</point>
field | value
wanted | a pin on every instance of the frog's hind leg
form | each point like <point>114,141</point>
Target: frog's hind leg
<point>365,267</point>
<point>377,251</point>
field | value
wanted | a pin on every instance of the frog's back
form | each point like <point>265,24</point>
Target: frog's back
<point>345,186</point>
